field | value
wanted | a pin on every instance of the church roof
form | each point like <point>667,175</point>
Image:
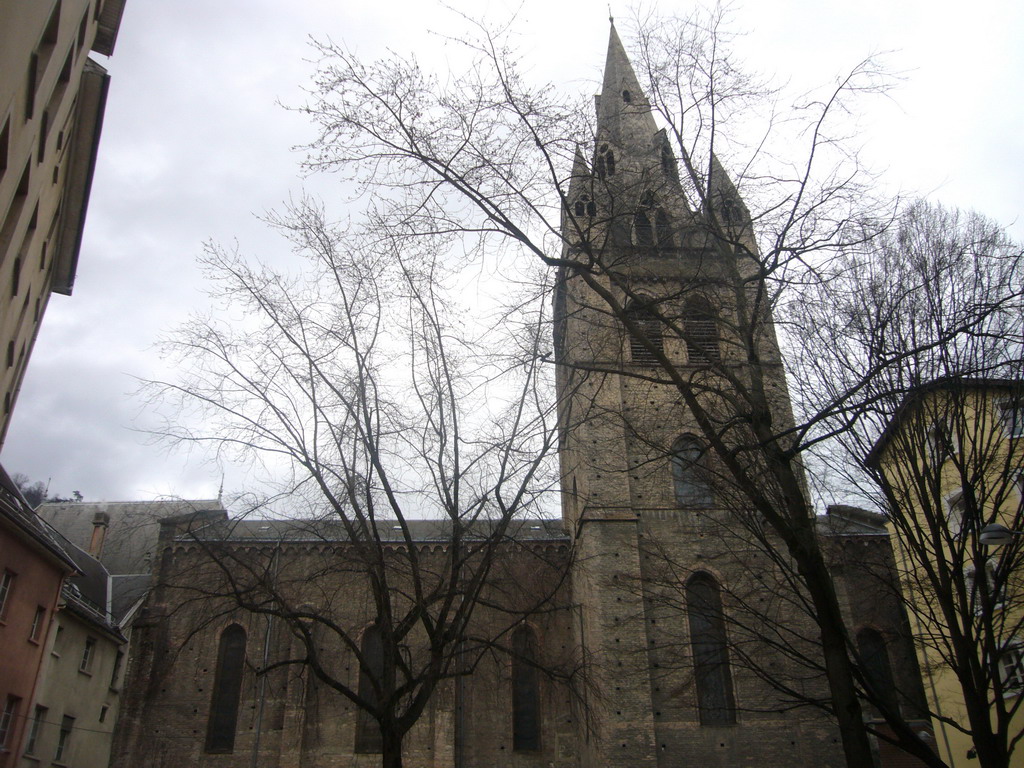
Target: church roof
<point>331,529</point>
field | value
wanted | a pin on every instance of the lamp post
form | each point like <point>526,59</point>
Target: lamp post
<point>996,535</point>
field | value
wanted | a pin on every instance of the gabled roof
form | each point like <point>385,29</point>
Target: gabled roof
<point>912,399</point>
<point>18,517</point>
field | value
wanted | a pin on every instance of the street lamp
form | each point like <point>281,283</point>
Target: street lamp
<point>996,535</point>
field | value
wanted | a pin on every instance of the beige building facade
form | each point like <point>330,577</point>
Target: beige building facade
<point>52,98</point>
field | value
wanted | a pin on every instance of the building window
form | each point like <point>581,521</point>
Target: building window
<point>6,588</point>
<point>689,477</point>
<point>874,662</point>
<point>710,651</point>
<point>627,97</point>
<point>103,712</point>
<point>648,326</point>
<point>941,441</point>
<point>118,662</point>
<point>605,164</point>
<point>585,206</point>
<point>67,725</point>
<point>1011,669</point>
<point>88,653</point>
<point>1011,416</point>
<point>525,692</point>
<point>33,734</point>
<point>955,514</point>
<point>978,588</point>
<point>668,162</point>
<point>701,329</point>
<point>38,622</point>
<point>8,719</point>
<point>371,680</point>
<point>227,690</point>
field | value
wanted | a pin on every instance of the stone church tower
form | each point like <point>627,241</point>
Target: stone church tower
<point>665,550</point>
<point>677,640</point>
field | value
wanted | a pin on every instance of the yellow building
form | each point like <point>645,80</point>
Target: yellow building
<point>52,97</point>
<point>950,463</point>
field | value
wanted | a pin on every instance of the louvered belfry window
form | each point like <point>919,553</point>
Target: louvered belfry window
<point>650,327</point>
<point>701,328</point>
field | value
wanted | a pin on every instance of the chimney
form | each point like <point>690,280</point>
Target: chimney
<point>100,522</point>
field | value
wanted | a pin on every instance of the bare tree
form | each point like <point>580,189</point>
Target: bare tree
<point>415,447</point>
<point>484,154</point>
<point>934,311</point>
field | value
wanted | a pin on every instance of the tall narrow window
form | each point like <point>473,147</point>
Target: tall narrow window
<point>87,655</point>
<point>701,329</point>
<point>688,476</point>
<point>227,689</point>
<point>33,734</point>
<point>6,587</point>
<point>371,677</point>
<point>67,725</point>
<point>1011,414</point>
<point>8,719</point>
<point>525,692</point>
<point>710,651</point>
<point>643,232</point>
<point>650,327</point>
<point>874,659</point>
<point>38,623</point>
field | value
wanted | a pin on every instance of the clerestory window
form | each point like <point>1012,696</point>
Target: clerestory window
<point>709,643</point>
<point>525,692</point>
<point>371,678</point>
<point>227,690</point>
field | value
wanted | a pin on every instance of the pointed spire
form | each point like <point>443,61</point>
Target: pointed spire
<point>623,111</point>
<point>723,197</point>
<point>580,170</point>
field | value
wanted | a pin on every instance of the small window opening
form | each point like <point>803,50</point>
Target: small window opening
<point>610,159</point>
<point>663,229</point>
<point>689,479</point>
<point>52,26</point>
<point>627,97</point>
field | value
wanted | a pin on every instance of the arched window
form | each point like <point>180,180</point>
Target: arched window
<point>585,206</point>
<point>874,659</point>
<point>701,329</point>
<point>371,674</point>
<point>643,232</point>
<point>710,651</point>
<point>227,689</point>
<point>610,160</point>
<point>627,97</point>
<point>650,327</point>
<point>668,162</point>
<point>525,692</point>
<point>688,476</point>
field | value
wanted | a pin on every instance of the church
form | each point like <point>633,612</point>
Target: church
<point>649,626</point>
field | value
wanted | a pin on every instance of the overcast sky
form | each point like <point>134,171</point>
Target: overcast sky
<point>195,146</point>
